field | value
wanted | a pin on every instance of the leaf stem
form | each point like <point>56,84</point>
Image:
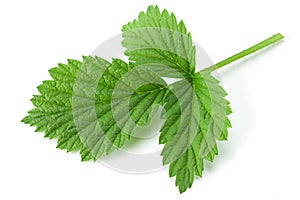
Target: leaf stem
<point>258,46</point>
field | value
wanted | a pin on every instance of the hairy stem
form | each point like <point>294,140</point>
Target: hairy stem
<point>258,46</point>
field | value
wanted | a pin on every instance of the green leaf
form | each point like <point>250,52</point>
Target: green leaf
<point>95,106</point>
<point>212,125</point>
<point>64,110</point>
<point>157,39</point>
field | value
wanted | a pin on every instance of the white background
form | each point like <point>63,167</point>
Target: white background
<point>261,158</point>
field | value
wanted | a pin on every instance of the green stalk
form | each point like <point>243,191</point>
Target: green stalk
<point>258,46</point>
